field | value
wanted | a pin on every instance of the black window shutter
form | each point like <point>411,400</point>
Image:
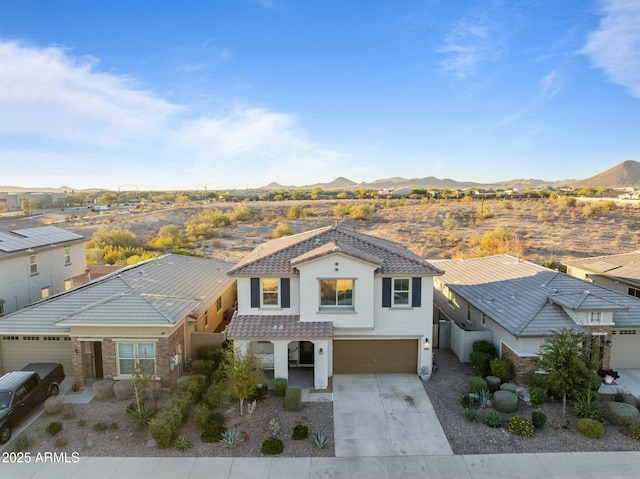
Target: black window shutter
<point>255,292</point>
<point>285,293</point>
<point>416,292</point>
<point>386,292</point>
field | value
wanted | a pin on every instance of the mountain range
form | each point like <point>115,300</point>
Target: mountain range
<point>625,174</point>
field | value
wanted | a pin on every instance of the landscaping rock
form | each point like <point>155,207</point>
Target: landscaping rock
<point>103,389</point>
<point>509,387</point>
<point>493,383</point>
<point>621,413</point>
<point>123,390</point>
<point>505,401</point>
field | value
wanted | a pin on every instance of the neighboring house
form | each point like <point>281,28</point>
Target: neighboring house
<point>620,272</point>
<point>37,261</point>
<point>516,305</point>
<point>145,312</point>
<point>337,301</point>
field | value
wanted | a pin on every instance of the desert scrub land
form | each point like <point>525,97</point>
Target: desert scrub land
<point>543,230</point>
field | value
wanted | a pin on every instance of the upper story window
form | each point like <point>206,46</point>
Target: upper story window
<point>33,263</point>
<point>469,312</point>
<point>595,317</point>
<point>270,291</point>
<point>336,292</point>
<point>1,307</point>
<point>67,255</point>
<point>401,291</point>
<point>67,284</point>
<point>634,292</point>
<point>219,303</point>
<point>206,318</point>
<point>44,292</point>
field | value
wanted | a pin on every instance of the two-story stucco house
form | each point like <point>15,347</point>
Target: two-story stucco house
<point>335,300</point>
<point>37,261</point>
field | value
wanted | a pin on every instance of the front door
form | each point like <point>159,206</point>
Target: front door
<point>97,359</point>
<point>306,353</point>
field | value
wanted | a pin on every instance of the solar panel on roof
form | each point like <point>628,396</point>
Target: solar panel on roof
<point>34,237</point>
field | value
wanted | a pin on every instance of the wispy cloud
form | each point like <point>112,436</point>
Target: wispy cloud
<point>469,44</point>
<point>615,45</point>
<point>58,106</point>
<point>550,85</point>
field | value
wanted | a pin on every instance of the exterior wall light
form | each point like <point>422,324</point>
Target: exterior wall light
<point>320,352</point>
<point>427,345</point>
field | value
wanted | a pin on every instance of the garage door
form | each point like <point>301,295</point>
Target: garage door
<point>625,348</point>
<point>381,356</point>
<point>18,351</point>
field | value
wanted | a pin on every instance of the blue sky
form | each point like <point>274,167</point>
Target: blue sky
<point>239,93</point>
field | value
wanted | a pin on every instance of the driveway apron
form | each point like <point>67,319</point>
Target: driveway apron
<point>385,415</point>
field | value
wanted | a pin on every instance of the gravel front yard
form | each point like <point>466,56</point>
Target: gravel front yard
<point>121,438</point>
<point>452,380</point>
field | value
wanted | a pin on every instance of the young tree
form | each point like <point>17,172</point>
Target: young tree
<point>565,358</point>
<point>243,372</point>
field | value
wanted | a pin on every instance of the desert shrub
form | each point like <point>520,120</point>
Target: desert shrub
<point>53,405</point>
<point>300,432</point>
<point>258,394</point>
<point>493,383</point>
<point>182,402</point>
<point>537,379</point>
<point>470,413</point>
<point>203,366</point>
<point>501,368</point>
<point>214,428</point>
<point>100,426</point>
<point>103,389</point>
<point>123,390</point>
<point>293,399</point>
<point>587,405</point>
<point>361,211</point>
<point>272,446</point>
<point>467,401</point>
<point>280,386</point>
<point>68,410</point>
<point>493,419</point>
<point>320,438</point>
<point>483,398</point>
<point>509,387</point>
<point>538,419</point>
<point>23,442</point>
<point>208,353</point>
<point>634,432</point>
<point>538,395</point>
<point>620,395</point>
<point>232,438</point>
<point>477,384</point>
<point>164,426</point>
<point>183,443</point>
<point>480,361</point>
<point>283,229</point>
<point>139,413</point>
<point>202,414</point>
<point>485,346</point>
<point>217,394</point>
<point>505,401</point>
<point>521,426</point>
<point>274,427</point>
<point>196,386</point>
<point>61,442</point>
<point>621,414</point>
<point>54,428</point>
<point>590,428</point>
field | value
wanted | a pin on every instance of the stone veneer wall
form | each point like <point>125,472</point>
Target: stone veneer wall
<point>522,365</point>
<point>164,348</point>
<point>606,350</point>
<point>78,368</point>
<point>109,359</point>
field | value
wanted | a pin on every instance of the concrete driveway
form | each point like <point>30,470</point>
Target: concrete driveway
<point>385,415</point>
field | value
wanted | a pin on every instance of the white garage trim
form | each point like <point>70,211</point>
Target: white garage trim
<point>625,348</point>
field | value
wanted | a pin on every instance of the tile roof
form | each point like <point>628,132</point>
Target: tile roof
<point>156,292</point>
<point>624,266</point>
<point>278,257</point>
<point>525,298</point>
<point>277,327</point>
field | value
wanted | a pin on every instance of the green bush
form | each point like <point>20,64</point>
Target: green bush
<point>620,395</point>
<point>183,443</point>
<point>272,446</point>
<point>293,399</point>
<point>538,395</point>
<point>164,426</point>
<point>466,401</point>
<point>182,402</point>
<point>521,426</point>
<point>501,368</point>
<point>470,413</point>
<point>505,401</point>
<point>54,428</point>
<point>587,405</point>
<point>217,394</point>
<point>634,432</point>
<point>204,367</point>
<point>480,361</point>
<point>214,428</point>
<point>590,428</point>
<point>621,414</point>
<point>485,346</point>
<point>202,415</point>
<point>258,394</point>
<point>300,432</point>
<point>23,442</point>
<point>493,419</point>
<point>538,419</point>
<point>537,380</point>
<point>196,386</point>
<point>208,353</point>
<point>280,386</point>
<point>477,384</point>
<point>493,383</point>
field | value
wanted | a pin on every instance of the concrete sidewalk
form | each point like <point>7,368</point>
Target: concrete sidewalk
<point>578,465</point>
